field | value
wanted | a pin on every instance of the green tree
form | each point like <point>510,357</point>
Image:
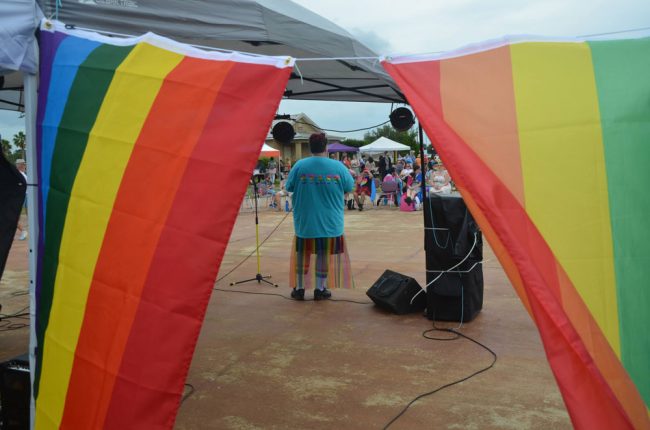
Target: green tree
<point>357,143</point>
<point>19,142</point>
<point>409,137</point>
<point>6,148</point>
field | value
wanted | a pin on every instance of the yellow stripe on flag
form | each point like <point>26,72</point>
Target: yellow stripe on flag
<point>121,117</point>
<point>563,166</point>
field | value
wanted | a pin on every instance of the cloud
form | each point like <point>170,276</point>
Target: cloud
<point>415,26</point>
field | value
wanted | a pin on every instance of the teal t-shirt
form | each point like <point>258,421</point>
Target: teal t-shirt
<point>318,185</point>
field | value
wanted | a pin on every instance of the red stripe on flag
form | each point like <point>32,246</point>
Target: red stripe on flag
<point>589,399</point>
<point>155,168</point>
<point>428,74</point>
<point>186,261</point>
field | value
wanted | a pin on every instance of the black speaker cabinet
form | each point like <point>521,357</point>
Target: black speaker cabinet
<point>450,231</point>
<point>394,292</point>
<point>457,295</point>
<point>15,394</point>
<point>452,236</point>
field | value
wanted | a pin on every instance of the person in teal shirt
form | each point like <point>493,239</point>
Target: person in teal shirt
<point>318,185</point>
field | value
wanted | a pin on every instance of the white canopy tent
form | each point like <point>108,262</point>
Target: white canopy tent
<point>383,144</point>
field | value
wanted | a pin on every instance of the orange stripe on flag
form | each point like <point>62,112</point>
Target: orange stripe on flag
<point>498,248</point>
<point>479,104</point>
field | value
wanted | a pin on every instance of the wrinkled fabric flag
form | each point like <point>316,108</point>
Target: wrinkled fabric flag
<point>145,150</point>
<point>549,144</point>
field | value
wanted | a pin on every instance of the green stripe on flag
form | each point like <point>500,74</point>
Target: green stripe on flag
<point>622,77</point>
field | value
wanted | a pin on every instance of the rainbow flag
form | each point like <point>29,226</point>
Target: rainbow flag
<point>549,144</point>
<point>145,149</point>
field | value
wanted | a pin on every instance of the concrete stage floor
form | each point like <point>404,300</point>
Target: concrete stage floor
<point>263,362</point>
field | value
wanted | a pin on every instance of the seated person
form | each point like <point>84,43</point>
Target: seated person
<point>363,188</point>
<point>418,174</point>
<point>400,186</point>
<point>414,191</point>
<point>407,170</point>
<point>408,179</point>
<point>439,180</point>
<point>406,203</point>
<point>277,196</point>
<point>265,188</point>
<point>354,164</point>
<point>349,198</point>
<point>390,176</point>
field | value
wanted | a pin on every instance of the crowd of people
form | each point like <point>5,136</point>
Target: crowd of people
<point>380,181</point>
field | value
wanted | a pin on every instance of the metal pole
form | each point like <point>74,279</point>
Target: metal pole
<point>257,236</point>
<point>422,166</point>
<point>31,84</point>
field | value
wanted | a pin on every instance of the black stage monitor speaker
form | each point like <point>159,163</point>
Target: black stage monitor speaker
<point>15,394</point>
<point>394,292</point>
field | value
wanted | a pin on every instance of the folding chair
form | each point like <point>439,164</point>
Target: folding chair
<point>388,191</point>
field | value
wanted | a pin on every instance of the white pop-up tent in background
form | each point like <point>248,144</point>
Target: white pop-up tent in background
<point>383,144</point>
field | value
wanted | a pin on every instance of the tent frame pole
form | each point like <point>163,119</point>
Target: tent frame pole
<point>31,95</point>
<point>357,90</point>
<point>423,172</point>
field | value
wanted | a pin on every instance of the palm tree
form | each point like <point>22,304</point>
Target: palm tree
<point>19,142</point>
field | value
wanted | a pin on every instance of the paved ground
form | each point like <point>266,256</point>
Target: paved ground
<point>263,362</point>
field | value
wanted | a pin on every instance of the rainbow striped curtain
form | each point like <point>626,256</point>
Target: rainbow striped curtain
<point>549,144</point>
<point>145,149</point>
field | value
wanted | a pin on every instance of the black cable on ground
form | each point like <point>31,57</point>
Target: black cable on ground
<point>18,314</point>
<point>456,335</point>
<point>9,326</point>
<point>19,293</point>
<point>253,252</point>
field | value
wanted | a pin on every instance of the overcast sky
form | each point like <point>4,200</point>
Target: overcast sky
<point>420,26</point>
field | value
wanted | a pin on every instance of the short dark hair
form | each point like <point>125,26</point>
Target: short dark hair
<point>317,143</point>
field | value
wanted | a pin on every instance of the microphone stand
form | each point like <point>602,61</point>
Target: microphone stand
<point>258,276</point>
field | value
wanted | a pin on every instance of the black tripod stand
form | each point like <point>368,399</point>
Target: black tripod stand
<point>258,276</point>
